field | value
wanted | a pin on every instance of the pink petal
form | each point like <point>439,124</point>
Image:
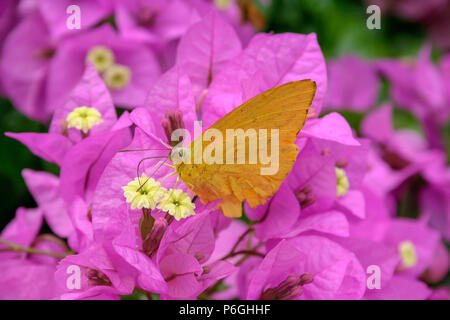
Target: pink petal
<point>332,222</point>
<point>48,146</point>
<point>44,187</point>
<point>22,230</point>
<point>378,124</point>
<point>205,49</point>
<point>353,84</point>
<point>332,127</point>
<point>400,288</point>
<point>172,91</point>
<point>283,212</point>
<point>85,162</point>
<point>280,58</point>
<point>353,202</point>
<point>37,279</point>
<point>23,71</point>
<point>90,92</point>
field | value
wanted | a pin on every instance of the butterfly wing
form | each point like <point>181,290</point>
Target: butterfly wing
<point>284,108</point>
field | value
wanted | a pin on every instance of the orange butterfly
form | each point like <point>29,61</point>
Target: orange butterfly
<point>283,108</point>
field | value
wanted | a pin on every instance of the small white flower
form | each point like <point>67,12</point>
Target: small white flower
<point>143,192</point>
<point>407,252</point>
<point>84,118</point>
<point>117,76</point>
<point>102,57</point>
<point>342,182</point>
<point>177,203</point>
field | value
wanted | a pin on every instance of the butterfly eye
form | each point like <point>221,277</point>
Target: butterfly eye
<point>180,155</point>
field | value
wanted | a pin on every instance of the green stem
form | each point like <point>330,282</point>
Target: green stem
<point>15,247</point>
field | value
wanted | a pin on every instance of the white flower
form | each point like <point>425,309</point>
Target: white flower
<point>143,192</point>
<point>84,118</point>
<point>342,182</point>
<point>102,57</point>
<point>177,203</point>
<point>407,252</point>
<point>117,76</point>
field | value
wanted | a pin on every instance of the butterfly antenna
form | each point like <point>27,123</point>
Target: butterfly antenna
<point>151,149</point>
<point>165,144</point>
<point>148,158</point>
<point>159,164</point>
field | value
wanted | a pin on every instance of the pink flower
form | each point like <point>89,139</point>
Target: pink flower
<point>90,92</point>
<point>290,271</point>
<point>435,205</point>
<point>345,91</point>
<point>171,93</point>
<point>155,22</point>
<point>262,66</point>
<point>45,189</point>
<point>417,80</point>
<point>108,198</point>
<point>98,276</point>
<point>414,242</point>
<point>130,75</point>
<point>24,270</point>
<point>309,200</point>
<point>37,278</point>
<point>210,40</point>
<point>25,63</point>
<point>22,230</point>
<point>404,150</point>
<point>439,265</point>
<point>418,86</point>
<point>191,243</point>
<point>130,224</point>
<point>53,146</point>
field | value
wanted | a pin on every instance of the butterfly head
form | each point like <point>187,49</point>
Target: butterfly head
<point>180,155</point>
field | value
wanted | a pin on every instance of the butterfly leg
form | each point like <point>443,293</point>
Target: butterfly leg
<point>168,176</point>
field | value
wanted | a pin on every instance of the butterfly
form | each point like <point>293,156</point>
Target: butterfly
<point>285,108</point>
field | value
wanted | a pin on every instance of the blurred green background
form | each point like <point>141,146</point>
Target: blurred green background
<point>341,29</point>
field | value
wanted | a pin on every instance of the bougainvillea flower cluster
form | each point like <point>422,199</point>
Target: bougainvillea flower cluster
<point>123,224</point>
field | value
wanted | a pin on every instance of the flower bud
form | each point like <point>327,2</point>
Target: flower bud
<point>288,289</point>
<point>151,242</point>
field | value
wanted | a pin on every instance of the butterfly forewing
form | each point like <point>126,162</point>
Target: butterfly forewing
<point>283,108</point>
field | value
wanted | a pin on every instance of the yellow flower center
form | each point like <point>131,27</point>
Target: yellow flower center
<point>143,192</point>
<point>117,76</point>
<point>342,182</point>
<point>102,57</point>
<point>407,252</point>
<point>83,118</point>
<point>177,203</point>
<point>222,4</point>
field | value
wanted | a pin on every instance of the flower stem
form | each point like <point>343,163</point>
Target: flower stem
<point>15,247</point>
